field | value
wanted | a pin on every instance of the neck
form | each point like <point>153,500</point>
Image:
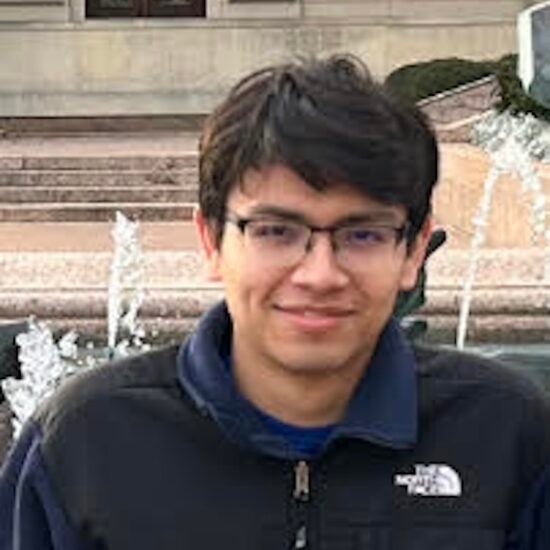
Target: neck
<point>299,398</point>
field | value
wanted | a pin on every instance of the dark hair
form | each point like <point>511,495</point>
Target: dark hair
<point>328,121</point>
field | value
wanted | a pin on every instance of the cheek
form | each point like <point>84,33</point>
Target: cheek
<point>379,291</point>
<point>246,281</point>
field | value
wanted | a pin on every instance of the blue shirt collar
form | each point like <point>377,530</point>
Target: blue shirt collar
<point>382,411</point>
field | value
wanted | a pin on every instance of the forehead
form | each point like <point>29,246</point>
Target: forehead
<point>279,187</point>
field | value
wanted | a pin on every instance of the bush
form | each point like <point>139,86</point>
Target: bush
<point>512,94</point>
<point>422,80</point>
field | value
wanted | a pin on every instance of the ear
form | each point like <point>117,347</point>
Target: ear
<point>416,254</point>
<point>206,231</point>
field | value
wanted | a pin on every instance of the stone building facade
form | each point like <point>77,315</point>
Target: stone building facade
<point>71,58</point>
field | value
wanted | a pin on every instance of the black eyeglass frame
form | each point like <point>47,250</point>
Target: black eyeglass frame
<point>401,232</point>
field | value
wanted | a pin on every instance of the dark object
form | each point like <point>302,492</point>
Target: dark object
<point>512,94</point>
<point>540,88</point>
<point>145,8</point>
<point>9,360</point>
<point>6,430</point>
<point>530,360</point>
<point>534,52</point>
<point>9,367</point>
<point>422,80</point>
<point>410,301</point>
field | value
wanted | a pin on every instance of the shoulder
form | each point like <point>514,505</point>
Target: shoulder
<point>451,367</point>
<point>153,371</point>
<point>483,385</point>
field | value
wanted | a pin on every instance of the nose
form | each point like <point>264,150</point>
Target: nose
<point>319,268</point>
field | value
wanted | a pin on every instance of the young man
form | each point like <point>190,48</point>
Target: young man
<point>297,415</point>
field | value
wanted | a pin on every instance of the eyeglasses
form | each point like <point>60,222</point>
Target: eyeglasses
<point>283,242</point>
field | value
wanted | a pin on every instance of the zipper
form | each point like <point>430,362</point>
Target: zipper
<point>301,538</point>
<point>301,481</point>
<point>301,496</point>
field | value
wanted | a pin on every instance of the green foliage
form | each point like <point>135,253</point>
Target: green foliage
<point>9,361</point>
<point>9,352</point>
<point>512,94</point>
<point>408,302</point>
<point>422,80</point>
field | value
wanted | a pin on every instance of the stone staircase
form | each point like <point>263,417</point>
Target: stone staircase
<point>57,267</point>
<point>69,289</point>
<point>92,179</point>
<point>58,198</point>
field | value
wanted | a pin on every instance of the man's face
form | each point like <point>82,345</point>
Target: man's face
<point>315,316</point>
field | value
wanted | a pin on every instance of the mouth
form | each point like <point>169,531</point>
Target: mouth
<point>314,318</point>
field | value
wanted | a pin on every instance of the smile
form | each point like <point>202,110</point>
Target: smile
<point>314,318</point>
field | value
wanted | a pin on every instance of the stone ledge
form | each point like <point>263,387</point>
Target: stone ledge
<point>510,302</point>
<point>95,212</point>
<point>46,271</point>
<point>499,329</point>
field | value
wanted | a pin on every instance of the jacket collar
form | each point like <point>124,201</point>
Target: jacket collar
<point>382,411</point>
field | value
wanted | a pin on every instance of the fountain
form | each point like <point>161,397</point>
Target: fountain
<point>518,147</point>
<point>126,288</point>
<point>38,364</point>
<point>512,143</point>
<point>43,365</point>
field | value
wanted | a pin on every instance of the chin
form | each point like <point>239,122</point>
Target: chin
<point>307,362</point>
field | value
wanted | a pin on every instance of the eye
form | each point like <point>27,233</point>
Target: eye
<point>361,236</point>
<point>274,231</point>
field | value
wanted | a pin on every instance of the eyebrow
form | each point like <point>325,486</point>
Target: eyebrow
<point>379,215</point>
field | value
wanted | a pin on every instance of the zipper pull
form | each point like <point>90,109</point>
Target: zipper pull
<point>301,538</point>
<point>301,481</point>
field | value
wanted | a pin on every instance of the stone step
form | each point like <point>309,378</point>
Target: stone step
<point>190,299</point>
<point>97,212</point>
<point>107,194</point>
<point>98,178</point>
<point>104,161</point>
<point>169,314</point>
<point>32,273</point>
<point>510,328</point>
<point>166,315</point>
<point>158,331</point>
<point>441,329</point>
<point>183,302</point>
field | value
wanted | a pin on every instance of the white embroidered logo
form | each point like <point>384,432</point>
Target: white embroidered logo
<point>431,480</point>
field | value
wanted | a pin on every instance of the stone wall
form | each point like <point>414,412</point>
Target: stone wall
<point>454,112</point>
<point>464,169</point>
